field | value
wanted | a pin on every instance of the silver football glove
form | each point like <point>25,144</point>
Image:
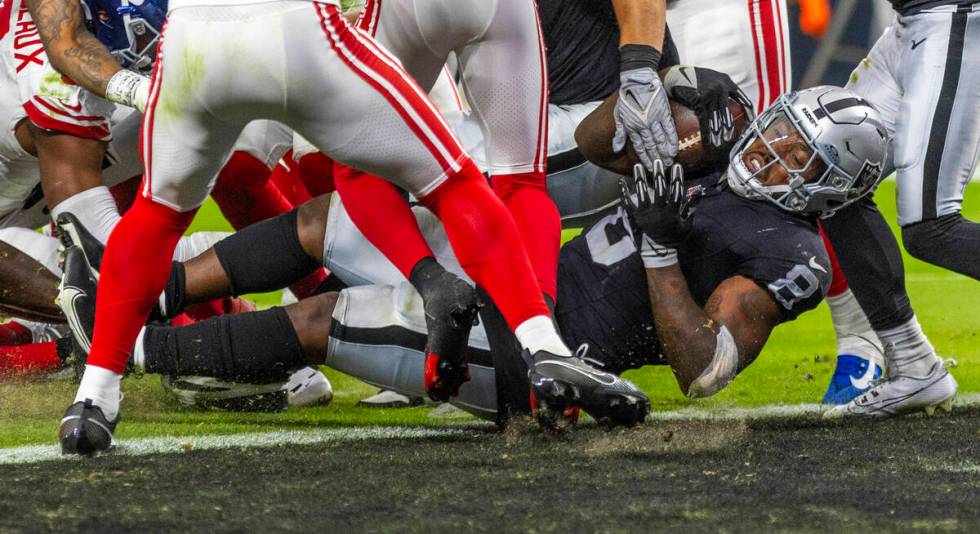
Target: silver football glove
<point>643,114</point>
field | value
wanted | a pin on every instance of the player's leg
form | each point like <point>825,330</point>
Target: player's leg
<point>374,333</point>
<point>415,148</point>
<point>746,39</point>
<point>859,352</point>
<point>938,139</point>
<point>27,271</point>
<point>184,146</point>
<point>265,256</point>
<point>514,114</point>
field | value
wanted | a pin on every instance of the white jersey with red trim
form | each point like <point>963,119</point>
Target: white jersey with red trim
<point>174,4</point>
<point>746,39</point>
<point>50,100</point>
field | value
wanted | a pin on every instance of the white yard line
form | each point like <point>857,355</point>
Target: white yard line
<point>172,445</point>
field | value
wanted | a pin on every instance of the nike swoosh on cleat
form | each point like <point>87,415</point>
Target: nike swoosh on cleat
<point>916,44</point>
<point>864,381</point>
<point>595,375</point>
<point>74,294</point>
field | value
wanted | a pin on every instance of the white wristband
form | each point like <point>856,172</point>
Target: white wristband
<point>129,89</point>
<point>665,257</point>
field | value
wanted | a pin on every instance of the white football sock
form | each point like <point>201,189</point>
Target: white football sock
<point>102,386</point>
<point>910,352</point>
<point>539,333</point>
<point>854,333</point>
<point>95,209</point>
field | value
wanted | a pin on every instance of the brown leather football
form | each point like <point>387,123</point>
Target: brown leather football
<point>692,154</point>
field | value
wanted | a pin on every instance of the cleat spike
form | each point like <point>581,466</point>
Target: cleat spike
<point>930,411</point>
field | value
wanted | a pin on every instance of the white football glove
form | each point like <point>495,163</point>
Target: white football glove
<point>643,114</point>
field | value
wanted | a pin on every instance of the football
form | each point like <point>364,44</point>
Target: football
<point>692,154</point>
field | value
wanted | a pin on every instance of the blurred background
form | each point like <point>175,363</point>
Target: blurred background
<point>829,37</point>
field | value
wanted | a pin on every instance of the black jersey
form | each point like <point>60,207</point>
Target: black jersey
<point>910,7</point>
<point>582,38</point>
<point>602,289</point>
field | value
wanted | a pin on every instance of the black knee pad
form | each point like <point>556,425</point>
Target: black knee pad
<point>266,256</point>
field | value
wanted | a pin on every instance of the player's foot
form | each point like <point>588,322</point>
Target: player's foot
<point>76,297</point>
<point>72,232</point>
<point>308,387</point>
<point>387,398</point>
<point>560,382</point>
<point>901,395</point>
<point>86,431</point>
<point>853,376</point>
<point>451,307</point>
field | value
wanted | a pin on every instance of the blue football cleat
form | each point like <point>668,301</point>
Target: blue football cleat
<point>854,375</point>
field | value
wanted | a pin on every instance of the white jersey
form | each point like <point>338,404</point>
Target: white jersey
<point>174,4</point>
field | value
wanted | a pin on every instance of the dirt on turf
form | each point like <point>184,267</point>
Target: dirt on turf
<point>799,474</point>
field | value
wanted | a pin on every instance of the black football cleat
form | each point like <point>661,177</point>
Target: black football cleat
<point>86,431</point>
<point>76,297</point>
<point>451,307</point>
<point>561,382</point>
<point>72,232</point>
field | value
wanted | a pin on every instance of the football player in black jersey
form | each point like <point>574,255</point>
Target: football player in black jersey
<point>693,274</point>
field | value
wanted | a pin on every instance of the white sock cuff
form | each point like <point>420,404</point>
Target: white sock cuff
<point>95,208</point>
<point>102,386</point>
<point>539,333</point>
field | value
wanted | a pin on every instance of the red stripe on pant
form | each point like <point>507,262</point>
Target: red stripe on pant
<point>763,97</point>
<point>373,66</point>
<point>838,282</point>
<point>768,22</point>
<point>145,146</point>
<point>541,156</point>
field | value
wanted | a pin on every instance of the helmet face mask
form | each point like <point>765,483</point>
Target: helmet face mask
<point>811,153</point>
<point>130,29</point>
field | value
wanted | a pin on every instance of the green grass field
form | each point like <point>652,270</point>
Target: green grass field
<point>794,368</point>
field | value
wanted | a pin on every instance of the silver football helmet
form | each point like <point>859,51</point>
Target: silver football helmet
<point>812,152</point>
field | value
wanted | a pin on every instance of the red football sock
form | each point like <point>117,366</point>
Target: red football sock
<point>538,221</point>
<point>838,282</point>
<point>383,216</point>
<point>29,358</point>
<point>286,179</point>
<point>244,192</point>
<point>316,170</point>
<point>13,333</point>
<point>124,193</point>
<point>128,288</point>
<point>486,242</point>
<point>212,308</point>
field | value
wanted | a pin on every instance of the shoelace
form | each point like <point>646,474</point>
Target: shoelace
<point>581,352</point>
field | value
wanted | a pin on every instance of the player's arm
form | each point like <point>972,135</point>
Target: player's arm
<point>79,55</point>
<point>707,346</point>
<point>641,22</point>
<point>704,346</point>
<point>642,113</point>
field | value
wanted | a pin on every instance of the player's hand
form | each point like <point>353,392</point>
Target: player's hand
<point>643,114</point>
<point>658,209</point>
<point>706,92</point>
